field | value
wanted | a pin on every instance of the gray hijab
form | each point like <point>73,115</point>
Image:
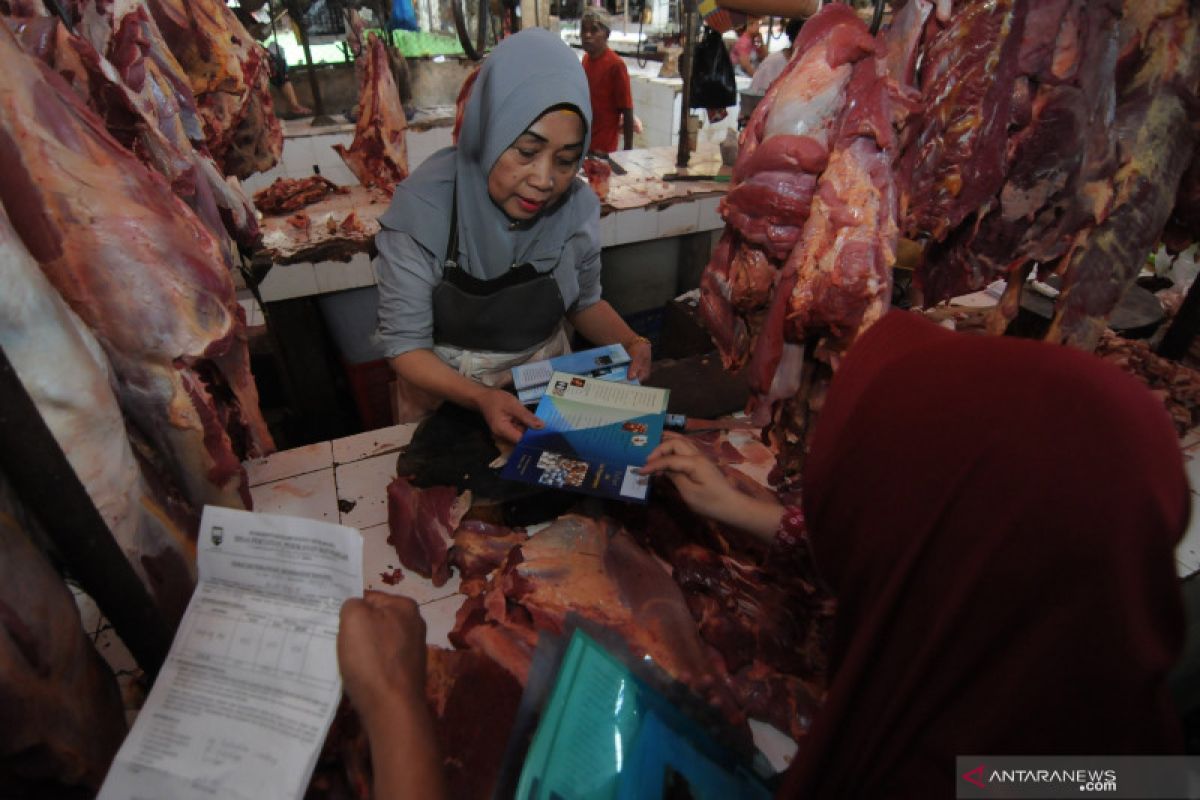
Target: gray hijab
<point>524,76</point>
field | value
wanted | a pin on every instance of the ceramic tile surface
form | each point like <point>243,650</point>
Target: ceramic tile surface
<point>677,219</point>
<point>287,463</point>
<point>372,443</point>
<point>284,282</point>
<point>311,496</point>
<point>636,225</point>
<point>363,486</point>
<point>707,218</point>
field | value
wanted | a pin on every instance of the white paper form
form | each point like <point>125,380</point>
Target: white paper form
<point>244,700</point>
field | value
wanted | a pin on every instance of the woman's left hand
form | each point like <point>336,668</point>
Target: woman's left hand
<point>639,354</point>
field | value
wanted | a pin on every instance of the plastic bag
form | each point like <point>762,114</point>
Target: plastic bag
<point>713,84</point>
<point>403,16</point>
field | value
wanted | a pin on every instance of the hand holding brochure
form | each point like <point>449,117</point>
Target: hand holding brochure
<point>597,434</point>
<point>610,362</point>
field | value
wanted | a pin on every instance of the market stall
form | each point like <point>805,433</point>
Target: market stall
<point>1004,168</point>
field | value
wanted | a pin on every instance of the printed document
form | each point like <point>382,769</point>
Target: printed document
<point>242,704</point>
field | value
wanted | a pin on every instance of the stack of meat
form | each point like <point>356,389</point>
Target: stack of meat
<point>811,234</point>
<point>288,194</point>
<point>378,156</point>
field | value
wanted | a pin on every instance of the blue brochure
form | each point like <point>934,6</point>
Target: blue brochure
<point>610,362</point>
<point>597,433</point>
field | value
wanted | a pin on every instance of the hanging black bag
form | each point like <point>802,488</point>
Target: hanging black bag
<point>713,84</point>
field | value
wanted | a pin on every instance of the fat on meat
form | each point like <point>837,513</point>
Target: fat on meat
<point>1158,92</point>
<point>142,271</point>
<point>141,93</point>
<point>378,155</point>
<point>1059,151</point>
<point>229,75</point>
<point>811,228</point>
<point>593,568</point>
<point>956,159</point>
<point>66,374</point>
<point>843,269</point>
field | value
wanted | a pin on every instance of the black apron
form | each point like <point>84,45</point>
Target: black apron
<point>507,314</point>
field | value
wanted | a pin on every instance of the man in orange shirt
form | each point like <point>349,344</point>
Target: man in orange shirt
<point>608,79</point>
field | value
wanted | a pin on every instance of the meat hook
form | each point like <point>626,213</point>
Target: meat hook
<point>877,19</point>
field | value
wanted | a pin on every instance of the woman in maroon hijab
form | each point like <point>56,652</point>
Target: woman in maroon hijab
<point>998,521</point>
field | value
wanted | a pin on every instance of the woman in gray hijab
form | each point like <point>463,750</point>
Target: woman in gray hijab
<point>490,245</point>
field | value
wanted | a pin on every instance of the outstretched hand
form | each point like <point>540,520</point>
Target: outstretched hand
<point>505,414</point>
<point>706,490</point>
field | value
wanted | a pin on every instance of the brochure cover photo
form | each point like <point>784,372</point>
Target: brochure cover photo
<point>597,433</point>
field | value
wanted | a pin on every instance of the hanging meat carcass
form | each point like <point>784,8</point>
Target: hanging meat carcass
<point>61,709</point>
<point>142,94</point>
<point>1057,137</point>
<point>378,156</point>
<point>1158,92</point>
<point>811,231</point>
<point>66,375</point>
<point>1022,185</point>
<point>150,280</point>
<point>229,76</point>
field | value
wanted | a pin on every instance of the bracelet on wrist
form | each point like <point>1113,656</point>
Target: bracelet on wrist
<point>635,340</point>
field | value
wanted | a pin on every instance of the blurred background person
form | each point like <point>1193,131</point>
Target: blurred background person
<point>773,64</point>
<point>608,83</point>
<point>749,50</point>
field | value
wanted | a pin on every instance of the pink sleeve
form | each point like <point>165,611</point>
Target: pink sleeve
<point>789,552</point>
<point>792,527</point>
<point>740,48</point>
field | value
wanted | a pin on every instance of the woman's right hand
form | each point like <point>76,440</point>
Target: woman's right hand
<point>706,490</point>
<point>505,414</point>
<point>699,481</point>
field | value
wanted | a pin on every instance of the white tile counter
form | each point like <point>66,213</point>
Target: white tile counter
<point>345,481</point>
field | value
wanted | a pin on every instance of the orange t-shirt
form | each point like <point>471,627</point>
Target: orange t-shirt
<point>608,80</point>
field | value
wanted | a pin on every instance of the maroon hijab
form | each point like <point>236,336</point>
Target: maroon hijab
<point>998,520</point>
